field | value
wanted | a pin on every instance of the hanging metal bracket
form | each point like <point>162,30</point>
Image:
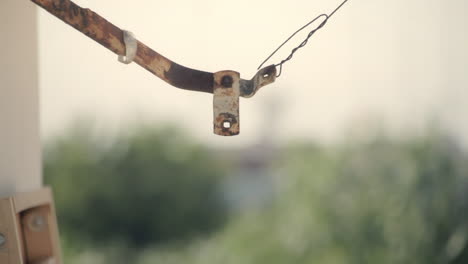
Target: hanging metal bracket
<point>28,229</point>
<point>123,44</point>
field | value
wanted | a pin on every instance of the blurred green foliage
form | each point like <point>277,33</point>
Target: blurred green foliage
<point>376,200</point>
<point>144,187</point>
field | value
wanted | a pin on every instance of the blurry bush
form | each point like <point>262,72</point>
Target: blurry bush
<point>375,200</point>
<point>145,187</point>
<point>381,201</point>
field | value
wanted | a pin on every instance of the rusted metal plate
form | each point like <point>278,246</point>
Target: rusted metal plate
<point>226,103</point>
<point>263,77</point>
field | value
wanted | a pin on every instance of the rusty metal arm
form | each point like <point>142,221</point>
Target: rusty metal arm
<point>110,36</point>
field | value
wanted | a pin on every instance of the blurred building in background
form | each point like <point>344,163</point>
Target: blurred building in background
<point>251,185</point>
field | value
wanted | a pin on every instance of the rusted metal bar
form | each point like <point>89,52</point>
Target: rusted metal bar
<point>227,86</point>
<point>110,36</point>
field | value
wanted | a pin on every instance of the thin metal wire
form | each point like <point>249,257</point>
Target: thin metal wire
<point>311,33</point>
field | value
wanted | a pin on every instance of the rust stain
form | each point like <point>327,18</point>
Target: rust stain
<point>86,21</point>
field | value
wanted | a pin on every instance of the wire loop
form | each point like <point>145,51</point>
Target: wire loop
<point>303,43</point>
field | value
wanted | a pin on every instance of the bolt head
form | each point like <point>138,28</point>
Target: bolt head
<point>38,223</point>
<point>227,81</point>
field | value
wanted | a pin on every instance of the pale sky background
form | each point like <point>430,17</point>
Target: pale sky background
<point>400,62</point>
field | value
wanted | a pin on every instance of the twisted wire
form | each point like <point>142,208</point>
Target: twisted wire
<point>303,43</point>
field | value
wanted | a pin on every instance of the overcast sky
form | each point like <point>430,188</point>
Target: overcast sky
<point>402,63</point>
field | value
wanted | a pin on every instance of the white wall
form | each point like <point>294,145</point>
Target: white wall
<point>20,159</point>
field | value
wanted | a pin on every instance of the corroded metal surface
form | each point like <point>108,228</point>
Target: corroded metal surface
<point>111,37</point>
<point>226,103</point>
<point>263,77</point>
<point>226,93</point>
